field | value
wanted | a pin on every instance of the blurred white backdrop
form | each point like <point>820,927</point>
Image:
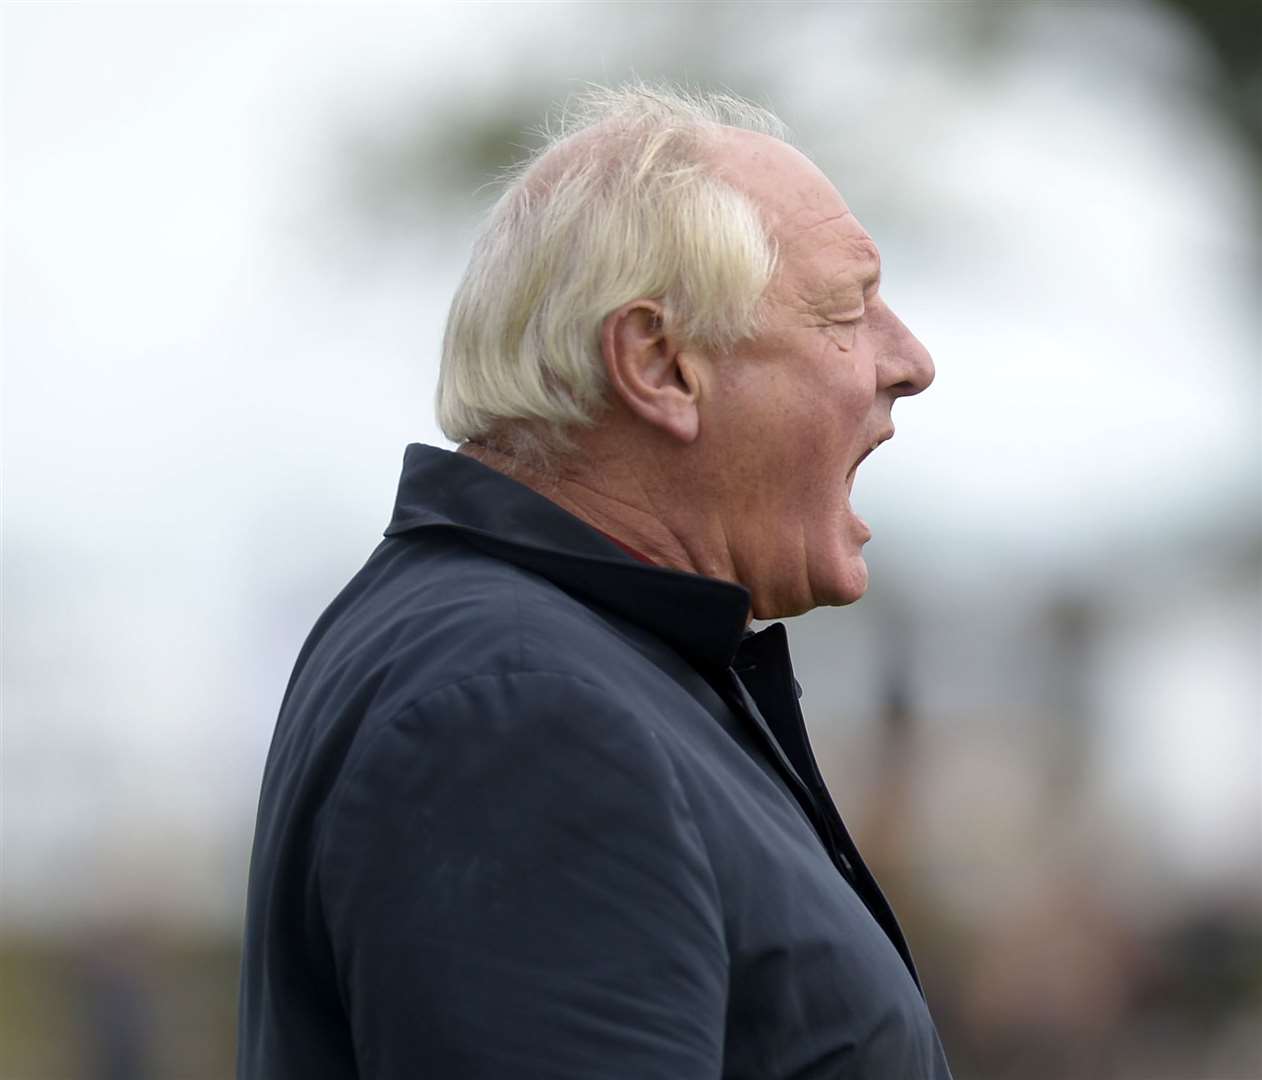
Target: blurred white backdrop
<point>216,345</point>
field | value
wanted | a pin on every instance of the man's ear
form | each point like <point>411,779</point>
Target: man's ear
<point>653,376</point>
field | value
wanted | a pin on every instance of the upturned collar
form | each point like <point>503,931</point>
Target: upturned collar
<point>700,617</point>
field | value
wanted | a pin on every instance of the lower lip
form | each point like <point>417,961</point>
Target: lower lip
<point>864,529</point>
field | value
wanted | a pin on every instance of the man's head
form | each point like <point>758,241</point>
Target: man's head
<point>671,294</point>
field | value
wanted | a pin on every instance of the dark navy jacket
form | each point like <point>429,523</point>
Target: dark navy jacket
<point>535,808</point>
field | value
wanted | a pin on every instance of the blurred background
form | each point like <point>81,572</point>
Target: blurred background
<point>231,234</point>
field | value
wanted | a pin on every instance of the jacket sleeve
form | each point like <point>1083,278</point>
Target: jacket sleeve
<point>513,885</point>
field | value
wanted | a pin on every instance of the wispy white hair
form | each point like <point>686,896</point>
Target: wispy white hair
<point>621,203</point>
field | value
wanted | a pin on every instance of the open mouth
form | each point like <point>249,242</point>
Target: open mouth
<point>862,458</point>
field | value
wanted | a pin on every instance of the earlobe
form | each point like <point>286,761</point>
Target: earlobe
<point>650,373</point>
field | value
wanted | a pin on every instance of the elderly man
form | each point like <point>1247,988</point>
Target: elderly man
<point>539,804</point>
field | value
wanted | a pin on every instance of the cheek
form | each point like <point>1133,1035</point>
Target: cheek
<point>837,421</point>
<point>791,426</point>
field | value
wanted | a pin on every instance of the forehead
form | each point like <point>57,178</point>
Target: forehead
<point>834,261</point>
<point>822,246</point>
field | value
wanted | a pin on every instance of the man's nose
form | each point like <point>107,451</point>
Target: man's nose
<point>909,367</point>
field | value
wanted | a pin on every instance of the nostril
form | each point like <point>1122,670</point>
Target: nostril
<point>920,371</point>
<point>909,366</point>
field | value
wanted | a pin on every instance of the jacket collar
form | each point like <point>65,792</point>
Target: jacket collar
<point>701,617</point>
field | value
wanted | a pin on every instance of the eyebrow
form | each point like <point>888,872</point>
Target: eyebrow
<point>842,292</point>
<point>865,251</point>
<point>862,272</point>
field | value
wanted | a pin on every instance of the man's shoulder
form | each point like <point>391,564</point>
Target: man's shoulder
<point>436,651</point>
<point>423,616</point>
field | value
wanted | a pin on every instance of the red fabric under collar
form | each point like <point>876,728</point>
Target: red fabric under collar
<point>626,547</point>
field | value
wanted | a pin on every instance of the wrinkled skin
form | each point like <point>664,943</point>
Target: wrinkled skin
<point>798,407</point>
<point>739,466</point>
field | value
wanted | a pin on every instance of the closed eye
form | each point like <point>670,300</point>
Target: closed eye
<point>843,331</point>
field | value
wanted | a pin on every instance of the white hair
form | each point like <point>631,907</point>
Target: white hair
<point>621,203</point>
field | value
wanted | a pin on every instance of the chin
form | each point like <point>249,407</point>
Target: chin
<point>849,584</point>
<point>842,581</point>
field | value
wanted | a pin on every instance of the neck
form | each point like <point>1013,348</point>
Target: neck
<point>623,499</point>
